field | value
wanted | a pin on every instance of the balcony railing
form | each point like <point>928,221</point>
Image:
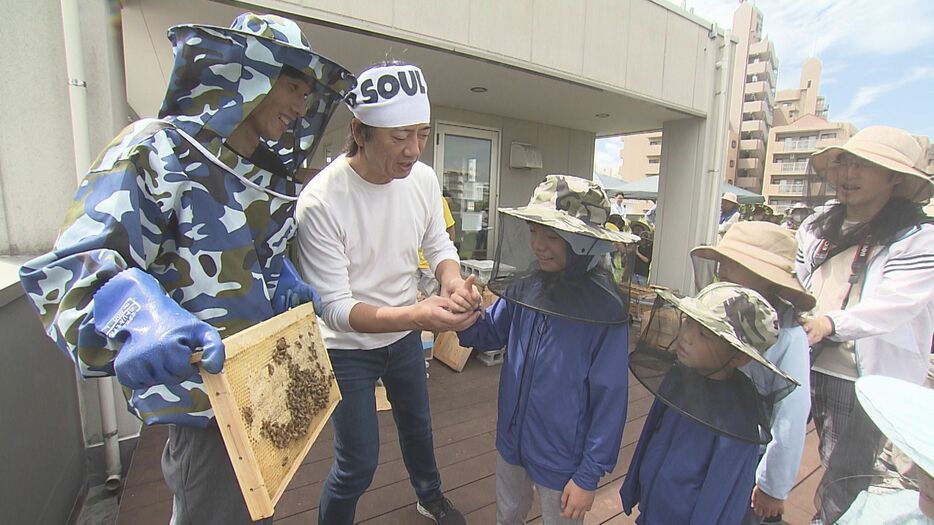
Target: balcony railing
<point>761,91</point>
<point>756,128</point>
<point>755,147</point>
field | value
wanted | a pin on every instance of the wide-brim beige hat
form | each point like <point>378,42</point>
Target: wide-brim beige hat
<point>738,315</point>
<point>573,205</point>
<point>730,197</point>
<point>890,148</point>
<point>767,250</point>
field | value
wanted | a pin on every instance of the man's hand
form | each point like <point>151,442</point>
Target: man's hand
<point>817,328</point>
<point>764,505</point>
<point>292,291</point>
<point>464,295</point>
<point>575,501</point>
<point>440,314</point>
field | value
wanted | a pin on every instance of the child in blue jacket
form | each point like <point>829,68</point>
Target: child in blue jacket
<point>563,385</point>
<point>701,357</point>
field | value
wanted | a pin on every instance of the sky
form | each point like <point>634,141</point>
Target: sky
<point>878,58</point>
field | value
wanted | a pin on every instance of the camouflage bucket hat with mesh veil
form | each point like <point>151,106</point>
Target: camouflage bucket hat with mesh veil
<point>571,204</point>
<point>738,315</point>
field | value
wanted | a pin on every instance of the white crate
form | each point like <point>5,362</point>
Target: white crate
<point>483,269</point>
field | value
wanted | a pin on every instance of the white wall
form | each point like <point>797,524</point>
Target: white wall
<point>35,135</point>
<point>37,172</point>
<point>644,48</point>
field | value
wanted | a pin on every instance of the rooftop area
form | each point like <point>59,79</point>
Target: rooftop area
<point>463,409</point>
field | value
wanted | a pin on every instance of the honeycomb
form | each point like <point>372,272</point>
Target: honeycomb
<point>279,390</point>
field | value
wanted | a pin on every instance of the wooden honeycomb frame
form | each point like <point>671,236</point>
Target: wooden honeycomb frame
<point>252,388</point>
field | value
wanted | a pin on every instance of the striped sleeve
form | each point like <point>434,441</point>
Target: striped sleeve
<point>906,287</point>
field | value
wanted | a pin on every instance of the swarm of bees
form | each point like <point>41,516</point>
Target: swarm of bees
<point>307,393</point>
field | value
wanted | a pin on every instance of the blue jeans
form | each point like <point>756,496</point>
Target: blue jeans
<point>401,365</point>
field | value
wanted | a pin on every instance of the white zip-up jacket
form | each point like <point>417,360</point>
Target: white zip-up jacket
<point>893,321</point>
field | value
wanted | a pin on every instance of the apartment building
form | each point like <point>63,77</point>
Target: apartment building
<point>641,156</point>
<point>790,104</point>
<point>789,147</point>
<point>752,99</point>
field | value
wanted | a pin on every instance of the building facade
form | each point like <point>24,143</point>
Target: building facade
<point>752,99</point>
<point>751,107</point>
<point>640,156</point>
<point>789,147</point>
<point>791,104</point>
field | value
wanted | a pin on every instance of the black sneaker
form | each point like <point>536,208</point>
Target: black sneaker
<point>442,511</point>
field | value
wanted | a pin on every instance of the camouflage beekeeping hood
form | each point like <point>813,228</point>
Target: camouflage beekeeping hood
<point>573,205</point>
<point>572,210</point>
<point>222,74</point>
<point>737,404</point>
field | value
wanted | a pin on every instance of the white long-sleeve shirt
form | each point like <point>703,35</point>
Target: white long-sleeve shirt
<point>358,242</point>
<point>893,321</point>
<point>778,468</point>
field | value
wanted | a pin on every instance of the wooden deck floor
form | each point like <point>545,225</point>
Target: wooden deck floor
<point>463,408</point>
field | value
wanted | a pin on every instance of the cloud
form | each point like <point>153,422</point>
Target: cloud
<point>866,95</point>
<point>606,157</point>
<point>862,29</point>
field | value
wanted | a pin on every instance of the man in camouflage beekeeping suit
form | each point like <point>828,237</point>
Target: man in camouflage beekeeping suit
<point>177,236</point>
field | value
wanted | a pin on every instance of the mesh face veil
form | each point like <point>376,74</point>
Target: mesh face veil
<point>536,267</point>
<point>686,358</point>
<point>553,254</point>
<point>866,482</point>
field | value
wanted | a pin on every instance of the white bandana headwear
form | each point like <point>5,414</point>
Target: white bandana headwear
<point>390,97</point>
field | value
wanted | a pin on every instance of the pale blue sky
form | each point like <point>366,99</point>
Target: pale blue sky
<point>878,57</point>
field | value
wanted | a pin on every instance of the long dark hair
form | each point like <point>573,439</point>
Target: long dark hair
<point>352,148</point>
<point>895,217</point>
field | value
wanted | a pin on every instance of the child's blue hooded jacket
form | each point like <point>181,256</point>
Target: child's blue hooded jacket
<point>562,392</point>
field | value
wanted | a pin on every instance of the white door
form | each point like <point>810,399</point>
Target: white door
<point>469,175</point>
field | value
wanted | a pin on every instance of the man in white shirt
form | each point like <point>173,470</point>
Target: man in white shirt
<point>617,207</point>
<point>729,212</point>
<point>361,221</point>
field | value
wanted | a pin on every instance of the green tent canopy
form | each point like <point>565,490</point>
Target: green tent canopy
<point>647,189</point>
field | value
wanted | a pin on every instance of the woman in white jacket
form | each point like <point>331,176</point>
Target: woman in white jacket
<point>869,261</point>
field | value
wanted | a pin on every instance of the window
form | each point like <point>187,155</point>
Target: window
<point>654,161</point>
<point>800,143</point>
<point>794,166</point>
<point>732,163</point>
<point>733,144</point>
<point>791,186</point>
<point>828,136</point>
<point>655,142</point>
<point>809,83</point>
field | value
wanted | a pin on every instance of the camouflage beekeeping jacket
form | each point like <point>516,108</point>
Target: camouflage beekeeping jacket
<point>209,225</point>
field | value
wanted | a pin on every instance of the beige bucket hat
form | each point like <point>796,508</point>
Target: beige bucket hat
<point>730,197</point>
<point>889,148</point>
<point>738,315</point>
<point>767,250</point>
<point>571,204</point>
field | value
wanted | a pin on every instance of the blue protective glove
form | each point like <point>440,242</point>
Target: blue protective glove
<point>158,335</point>
<point>292,291</point>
